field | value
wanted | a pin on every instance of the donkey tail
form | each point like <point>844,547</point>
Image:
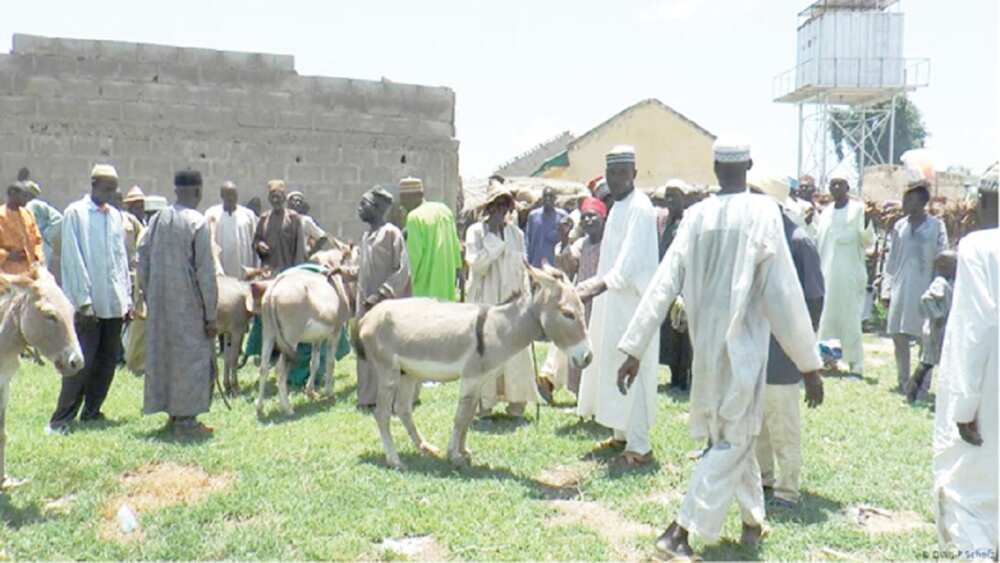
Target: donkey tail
<point>280,340</point>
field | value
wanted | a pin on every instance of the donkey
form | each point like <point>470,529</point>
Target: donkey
<point>411,340</point>
<point>33,312</point>
<point>234,311</point>
<point>302,306</point>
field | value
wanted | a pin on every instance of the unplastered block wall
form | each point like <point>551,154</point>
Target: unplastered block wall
<point>150,110</point>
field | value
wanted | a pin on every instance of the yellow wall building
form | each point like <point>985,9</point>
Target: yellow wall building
<point>667,145</point>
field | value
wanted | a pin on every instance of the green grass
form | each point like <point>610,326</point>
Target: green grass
<point>314,486</point>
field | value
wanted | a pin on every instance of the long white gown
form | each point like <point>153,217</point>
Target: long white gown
<point>496,272</point>
<point>842,240</point>
<point>629,256</point>
<point>965,476</point>
<point>734,267</point>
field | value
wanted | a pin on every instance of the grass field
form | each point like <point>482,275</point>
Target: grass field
<point>313,486</point>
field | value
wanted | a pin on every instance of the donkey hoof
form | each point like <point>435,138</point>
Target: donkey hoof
<point>460,460</point>
<point>429,450</point>
<point>311,393</point>
<point>396,464</point>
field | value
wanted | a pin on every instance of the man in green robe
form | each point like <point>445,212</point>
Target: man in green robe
<point>431,243</point>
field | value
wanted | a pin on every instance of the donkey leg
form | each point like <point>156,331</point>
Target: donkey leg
<point>313,369</point>
<point>266,349</point>
<point>237,347</point>
<point>229,364</point>
<point>331,358</point>
<point>476,386</point>
<point>383,411</point>
<point>282,369</point>
<point>468,400</point>
<point>404,410</point>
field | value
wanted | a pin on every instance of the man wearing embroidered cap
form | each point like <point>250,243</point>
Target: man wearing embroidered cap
<point>95,278</point>
<point>628,261</point>
<point>431,241</point>
<point>278,238</point>
<point>383,273</point>
<point>177,273</point>
<point>731,263</point>
<point>843,237</point>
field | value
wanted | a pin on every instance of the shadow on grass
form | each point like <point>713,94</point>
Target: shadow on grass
<point>676,393</point>
<point>813,509</point>
<point>97,425</point>
<point>586,428</point>
<point>443,469</point>
<point>167,435</point>
<point>18,517</point>
<point>273,414</point>
<point>729,550</point>
<point>499,424</point>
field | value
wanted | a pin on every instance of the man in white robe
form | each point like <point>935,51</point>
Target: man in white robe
<point>494,251</point>
<point>629,255</point>
<point>965,418</point>
<point>731,262</point>
<point>844,234</point>
<point>232,227</point>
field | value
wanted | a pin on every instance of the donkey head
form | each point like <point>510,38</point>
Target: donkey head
<point>560,313</point>
<point>45,319</point>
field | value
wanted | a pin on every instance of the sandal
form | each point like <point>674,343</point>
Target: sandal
<point>632,459</point>
<point>610,444</point>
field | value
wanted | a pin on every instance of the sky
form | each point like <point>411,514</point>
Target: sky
<point>524,71</point>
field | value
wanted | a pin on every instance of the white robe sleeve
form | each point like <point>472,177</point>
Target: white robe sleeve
<point>633,269</point>
<point>785,307</point>
<point>481,250</point>
<point>973,315</point>
<point>665,286</point>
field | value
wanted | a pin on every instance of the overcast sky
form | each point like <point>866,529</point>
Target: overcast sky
<point>524,71</point>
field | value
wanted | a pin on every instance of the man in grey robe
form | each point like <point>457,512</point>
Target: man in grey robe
<point>383,273</point>
<point>177,273</point>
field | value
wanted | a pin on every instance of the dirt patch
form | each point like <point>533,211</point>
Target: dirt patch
<point>619,532</point>
<point>155,486</point>
<point>419,548</point>
<point>562,482</point>
<point>667,498</point>
<point>876,520</point>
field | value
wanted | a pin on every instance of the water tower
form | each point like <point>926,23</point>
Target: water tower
<point>850,57</point>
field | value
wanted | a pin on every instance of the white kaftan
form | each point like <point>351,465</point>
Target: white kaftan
<point>842,240</point>
<point>233,233</point>
<point>965,476</point>
<point>730,259</point>
<point>496,272</point>
<point>629,256</point>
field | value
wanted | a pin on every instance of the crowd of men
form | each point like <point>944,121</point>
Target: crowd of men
<point>732,290</point>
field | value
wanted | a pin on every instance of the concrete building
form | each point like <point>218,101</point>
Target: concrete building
<point>248,117</point>
<point>667,145</point>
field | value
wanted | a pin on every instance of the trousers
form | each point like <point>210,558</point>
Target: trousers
<point>780,440</point>
<point>100,340</point>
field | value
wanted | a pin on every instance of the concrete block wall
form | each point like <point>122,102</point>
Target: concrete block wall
<point>66,104</point>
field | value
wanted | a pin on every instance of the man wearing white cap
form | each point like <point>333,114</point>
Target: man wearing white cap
<point>731,262</point>
<point>629,255</point>
<point>95,278</point>
<point>844,234</point>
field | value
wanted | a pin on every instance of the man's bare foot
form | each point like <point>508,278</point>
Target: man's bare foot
<point>546,389</point>
<point>632,459</point>
<point>752,535</point>
<point>673,543</point>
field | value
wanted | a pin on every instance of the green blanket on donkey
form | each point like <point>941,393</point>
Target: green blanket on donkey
<point>299,374</point>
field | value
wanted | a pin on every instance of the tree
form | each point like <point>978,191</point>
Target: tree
<point>910,129</point>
